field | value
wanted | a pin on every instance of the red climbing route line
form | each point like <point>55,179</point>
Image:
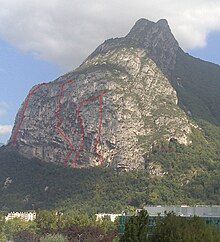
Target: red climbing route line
<point>99,130</point>
<point>26,104</point>
<point>81,123</point>
<point>59,122</point>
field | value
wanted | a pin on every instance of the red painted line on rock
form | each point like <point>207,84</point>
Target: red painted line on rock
<point>59,122</point>
<point>81,122</point>
<point>26,104</point>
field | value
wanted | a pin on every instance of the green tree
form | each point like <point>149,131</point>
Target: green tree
<point>73,217</point>
<point>175,228</point>
<point>107,225</point>
<point>54,238</point>
<point>26,236</point>
<point>16,225</point>
<point>47,221</point>
<point>136,229</point>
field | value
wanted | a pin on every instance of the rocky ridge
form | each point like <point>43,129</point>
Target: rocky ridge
<point>156,39</point>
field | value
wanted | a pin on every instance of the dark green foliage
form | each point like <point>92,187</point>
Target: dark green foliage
<point>170,228</point>
<point>47,221</point>
<point>11,228</point>
<point>26,236</point>
<point>174,228</point>
<point>193,171</point>
<point>136,228</point>
<point>38,184</point>
<point>54,238</point>
<point>74,225</point>
<point>89,233</point>
<point>197,83</point>
<point>192,176</point>
<point>57,226</point>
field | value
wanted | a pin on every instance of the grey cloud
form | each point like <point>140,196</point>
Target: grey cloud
<point>66,31</point>
<point>5,129</point>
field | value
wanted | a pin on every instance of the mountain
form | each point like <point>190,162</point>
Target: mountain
<point>136,101</point>
<point>196,81</point>
<point>156,39</point>
<point>1,144</point>
<point>112,109</point>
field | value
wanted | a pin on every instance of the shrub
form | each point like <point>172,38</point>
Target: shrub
<point>53,238</point>
<point>26,236</point>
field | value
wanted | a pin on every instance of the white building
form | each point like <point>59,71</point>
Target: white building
<point>26,216</point>
<point>110,216</point>
<point>185,211</point>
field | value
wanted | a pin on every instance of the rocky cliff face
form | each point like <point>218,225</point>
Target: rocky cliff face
<point>156,39</point>
<point>111,109</point>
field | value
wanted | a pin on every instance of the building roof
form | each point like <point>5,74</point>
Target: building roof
<point>185,211</point>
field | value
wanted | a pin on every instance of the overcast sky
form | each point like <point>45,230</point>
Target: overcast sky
<point>47,38</point>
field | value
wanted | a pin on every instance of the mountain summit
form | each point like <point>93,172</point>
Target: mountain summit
<point>158,40</point>
<point>155,38</point>
<point>128,95</point>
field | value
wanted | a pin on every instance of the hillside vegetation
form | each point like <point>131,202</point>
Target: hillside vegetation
<point>197,83</point>
<point>189,175</point>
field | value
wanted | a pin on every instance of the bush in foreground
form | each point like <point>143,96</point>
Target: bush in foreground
<point>26,236</point>
<point>54,238</point>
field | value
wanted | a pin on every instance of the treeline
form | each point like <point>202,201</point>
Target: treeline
<point>170,228</point>
<point>53,226</point>
<point>56,226</point>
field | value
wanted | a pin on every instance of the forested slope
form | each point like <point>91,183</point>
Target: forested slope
<point>188,175</point>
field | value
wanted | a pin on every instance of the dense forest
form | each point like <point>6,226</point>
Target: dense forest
<point>187,175</point>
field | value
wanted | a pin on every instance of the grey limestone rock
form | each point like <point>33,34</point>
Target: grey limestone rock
<point>111,109</point>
